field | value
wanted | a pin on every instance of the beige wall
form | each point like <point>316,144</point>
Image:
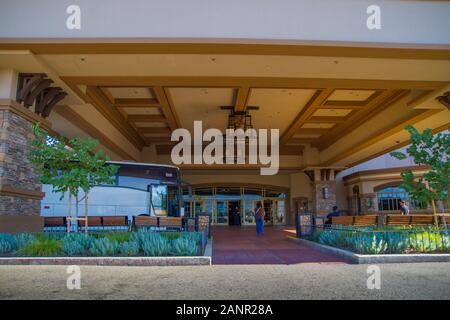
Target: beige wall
<point>341,194</point>
<point>281,180</point>
<point>8,82</point>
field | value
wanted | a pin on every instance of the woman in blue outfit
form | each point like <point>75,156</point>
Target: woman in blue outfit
<point>259,217</point>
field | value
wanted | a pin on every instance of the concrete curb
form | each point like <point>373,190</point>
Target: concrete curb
<point>375,258</point>
<point>204,260</point>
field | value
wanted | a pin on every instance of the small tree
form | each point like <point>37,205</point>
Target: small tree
<point>431,150</point>
<point>69,166</point>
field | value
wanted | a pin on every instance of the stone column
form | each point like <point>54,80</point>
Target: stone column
<point>368,203</point>
<point>20,194</point>
<point>323,188</point>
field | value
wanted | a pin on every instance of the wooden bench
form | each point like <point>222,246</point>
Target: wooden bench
<point>344,220</point>
<point>92,222</point>
<point>118,221</point>
<point>365,221</point>
<point>158,222</point>
<point>409,220</point>
<point>171,222</point>
<point>55,222</point>
<point>145,221</point>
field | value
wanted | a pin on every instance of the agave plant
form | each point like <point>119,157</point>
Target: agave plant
<point>23,239</point>
<point>155,245</point>
<point>370,244</point>
<point>103,247</point>
<point>5,247</point>
<point>185,247</point>
<point>130,248</point>
<point>76,244</point>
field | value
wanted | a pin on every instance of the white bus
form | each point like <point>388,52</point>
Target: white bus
<point>139,189</point>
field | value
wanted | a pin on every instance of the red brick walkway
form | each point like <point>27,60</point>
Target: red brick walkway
<point>239,245</point>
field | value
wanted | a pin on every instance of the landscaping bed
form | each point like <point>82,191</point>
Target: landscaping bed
<point>379,241</point>
<point>143,243</point>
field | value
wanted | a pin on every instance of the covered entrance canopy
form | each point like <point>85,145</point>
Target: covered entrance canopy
<point>337,100</point>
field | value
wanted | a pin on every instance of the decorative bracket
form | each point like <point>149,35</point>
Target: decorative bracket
<point>35,89</point>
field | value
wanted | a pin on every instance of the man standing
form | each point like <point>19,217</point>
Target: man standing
<point>404,208</point>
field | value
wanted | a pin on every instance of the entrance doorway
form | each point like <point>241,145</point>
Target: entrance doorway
<point>235,205</point>
<point>234,213</point>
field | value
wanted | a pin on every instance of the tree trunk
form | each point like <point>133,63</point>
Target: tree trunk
<point>85,212</point>
<point>436,222</point>
<point>448,199</point>
<point>69,208</point>
<point>76,211</point>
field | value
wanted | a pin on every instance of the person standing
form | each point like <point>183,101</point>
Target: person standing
<point>259,218</point>
<point>404,208</point>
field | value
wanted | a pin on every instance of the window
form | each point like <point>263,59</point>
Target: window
<point>389,199</point>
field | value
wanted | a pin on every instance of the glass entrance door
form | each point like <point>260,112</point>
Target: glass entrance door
<point>275,211</point>
<point>220,215</point>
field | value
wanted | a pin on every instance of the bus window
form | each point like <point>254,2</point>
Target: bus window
<point>159,199</point>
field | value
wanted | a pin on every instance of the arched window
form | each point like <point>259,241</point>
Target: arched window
<point>389,199</point>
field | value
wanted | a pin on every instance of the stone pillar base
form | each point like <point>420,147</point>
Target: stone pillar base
<point>20,191</point>
<point>16,224</point>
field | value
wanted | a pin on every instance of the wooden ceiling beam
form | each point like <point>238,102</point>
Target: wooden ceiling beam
<point>307,111</point>
<point>312,130</point>
<point>242,98</point>
<point>153,130</point>
<point>375,106</point>
<point>167,106</point>
<point>252,82</point>
<point>324,119</point>
<point>299,141</point>
<point>383,133</point>
<point>73,117</point>
<point>283,150</point>
<point>135,102</point>
<point>97,98</point>
<point>146,118</point>
<point>159,140</point>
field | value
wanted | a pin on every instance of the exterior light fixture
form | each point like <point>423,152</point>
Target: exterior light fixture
<point>325,192</point>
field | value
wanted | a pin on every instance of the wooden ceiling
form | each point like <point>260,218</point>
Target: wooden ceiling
<point>332,113</point>
<point>146,114</point>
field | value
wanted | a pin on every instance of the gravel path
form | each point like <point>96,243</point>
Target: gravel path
<point>299,281</point>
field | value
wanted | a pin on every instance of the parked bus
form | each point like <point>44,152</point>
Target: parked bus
<point>139,189</point>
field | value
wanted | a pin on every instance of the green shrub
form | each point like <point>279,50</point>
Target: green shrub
<point>129,248</point>
<point>104,247</point>
<point>43,247</point>
<point>429,242</point>
<point>335,238</point>
<point>119,236</point>
<point>23,239</point>
<point>185,247</point>
<point>155,245</point>
<point>194,236</point>
<point>397,242</point>
<point>5,247</point>
<point>369,244</point>
<point>8,243</point>
<point>171,235</point>
<point>76,244</point>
